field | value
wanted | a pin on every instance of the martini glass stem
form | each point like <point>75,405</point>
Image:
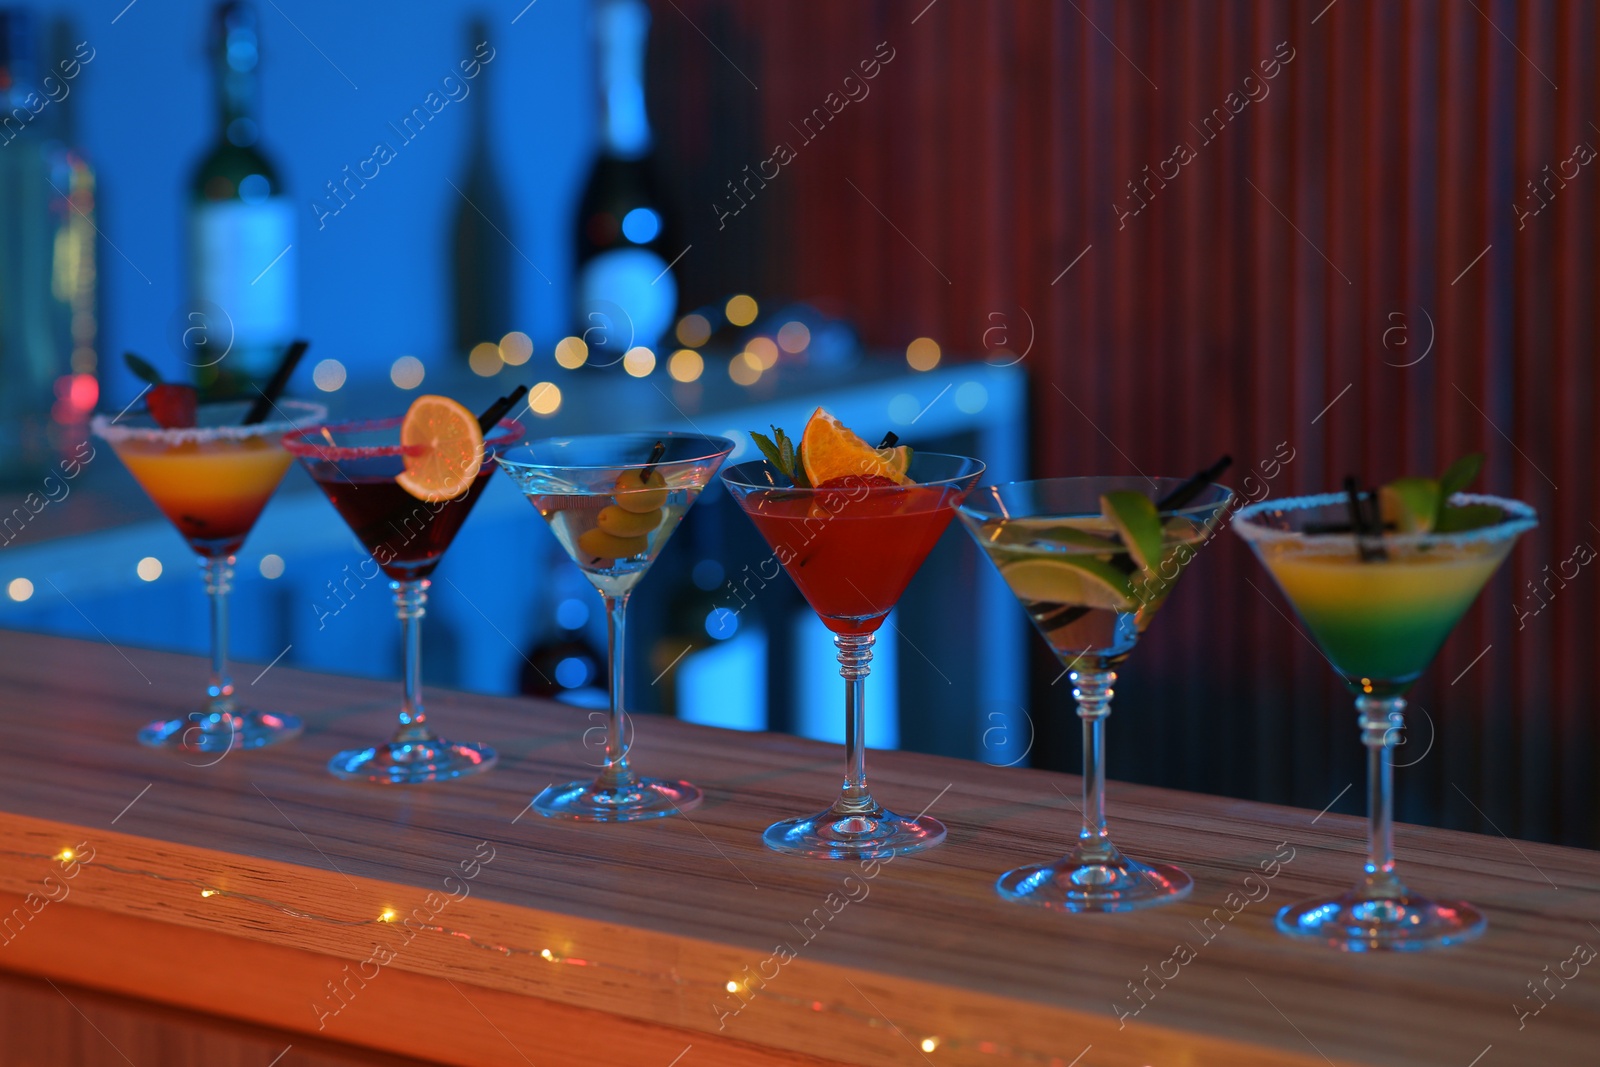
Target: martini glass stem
<point>855,663</point>
<point>1092,690</point>
<point>218,573</point>
<point>616,773</point>
<point>1380,718</point>
<point>410,602</point>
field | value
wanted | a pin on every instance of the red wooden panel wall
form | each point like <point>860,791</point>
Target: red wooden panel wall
<point>1341,266</point>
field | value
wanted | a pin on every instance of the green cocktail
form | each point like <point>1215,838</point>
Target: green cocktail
<point>1382,623</point>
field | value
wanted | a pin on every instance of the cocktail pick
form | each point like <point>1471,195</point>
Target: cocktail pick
<point>655,458</point>
<point>280,381</point>
<point>497,411</point>
<point>1194,486</point>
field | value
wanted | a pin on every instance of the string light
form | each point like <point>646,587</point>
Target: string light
<point>389,915</point>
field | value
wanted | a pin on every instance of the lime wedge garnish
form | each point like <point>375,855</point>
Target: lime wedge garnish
<point>1056,533</point>
<point>1412,504</point>
<point>1136,519</point>
<point>1454,518</point>
<point>1081,582</point>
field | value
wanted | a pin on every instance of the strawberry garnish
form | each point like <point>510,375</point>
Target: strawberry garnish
<point>837,494</point>
<point>172,405</point>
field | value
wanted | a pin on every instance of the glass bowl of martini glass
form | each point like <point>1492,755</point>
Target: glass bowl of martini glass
<point>612,501</point>
<point>211,481</point>
<point>1092,560</point>
<point>1380,605</point>
<point>851,549</point>
<point>360,466</point>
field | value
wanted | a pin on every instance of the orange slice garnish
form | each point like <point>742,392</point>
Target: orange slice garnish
<point>443,449</point>
<point>829,450</point>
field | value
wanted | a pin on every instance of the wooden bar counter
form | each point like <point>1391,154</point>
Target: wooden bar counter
<point>258,897</point>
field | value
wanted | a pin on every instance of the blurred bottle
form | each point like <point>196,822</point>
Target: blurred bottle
<point>626,293</point>
<point>48,311</point>
<point>483,269</point>
<point>243,270</point>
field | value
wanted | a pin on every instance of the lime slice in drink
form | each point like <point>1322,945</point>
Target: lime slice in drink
<point>1082,582</point>
<point>1137,520</point>
<point>1412,504</point>
<point>1093,535</point>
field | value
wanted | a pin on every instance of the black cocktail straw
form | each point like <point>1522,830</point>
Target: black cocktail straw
<point>497,411</point>
<point>890,439</point>
<point>1367,529</point>
<point>1194,486</point>
<point>280,381</point>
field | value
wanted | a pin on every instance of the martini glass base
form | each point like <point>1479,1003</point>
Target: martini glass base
<point>413,762</point>
<point>220,732</point>
<point>835,836</point>
<point>1402,924</point>
<point>1071,885</point>
<point>644,798</point>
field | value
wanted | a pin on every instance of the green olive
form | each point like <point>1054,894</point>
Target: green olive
<point>639,496</point>
<point>624,523</point>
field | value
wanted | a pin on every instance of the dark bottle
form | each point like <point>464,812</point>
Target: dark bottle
<point>626,292</point>
<point>243,276</point>
<point>483,267</point>
<point>48,313</point>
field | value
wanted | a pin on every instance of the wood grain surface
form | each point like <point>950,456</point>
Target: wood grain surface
<point>646,924</point>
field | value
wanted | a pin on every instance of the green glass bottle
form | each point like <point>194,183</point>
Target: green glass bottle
<point>243,290</point>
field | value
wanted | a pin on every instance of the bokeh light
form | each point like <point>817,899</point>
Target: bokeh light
<point>328,375</point>
<point>271,566</point>
<point>516,348</point>
<point>793,337</point>
<point>923,353</point>
<point>971,397</point>
<point>693,331</point>
<point>641,225</point>
<point>544,398</point>
<point>484,359</point>
<point>745,369</point>
<point>572,352</point>
<point>149,568</point>
<point>20,589</point>
<point>639,361</point>
<point>764,349</point>
<point>742,310</point>
<point>685,365</point>
<point>407,372</point>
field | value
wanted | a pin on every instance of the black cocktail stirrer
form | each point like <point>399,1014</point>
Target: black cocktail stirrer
<point>1368,528</point>
<point>497,411</point>
<point>1194,486</point>
<point>280,381</point>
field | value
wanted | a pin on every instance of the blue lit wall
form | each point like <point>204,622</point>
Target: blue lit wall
<point>374,281</point>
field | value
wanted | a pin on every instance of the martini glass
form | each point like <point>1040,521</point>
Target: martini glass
<point>613,500</point>
<point>1074,575</point>
<point>851,552</point>
<point>211,481</point>
<point>1380,615</point>
<point>355,464</point>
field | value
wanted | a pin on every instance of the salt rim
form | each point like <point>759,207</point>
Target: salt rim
<point>1518,518</point>
<point>506,431</point>
<point>308,413</point>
